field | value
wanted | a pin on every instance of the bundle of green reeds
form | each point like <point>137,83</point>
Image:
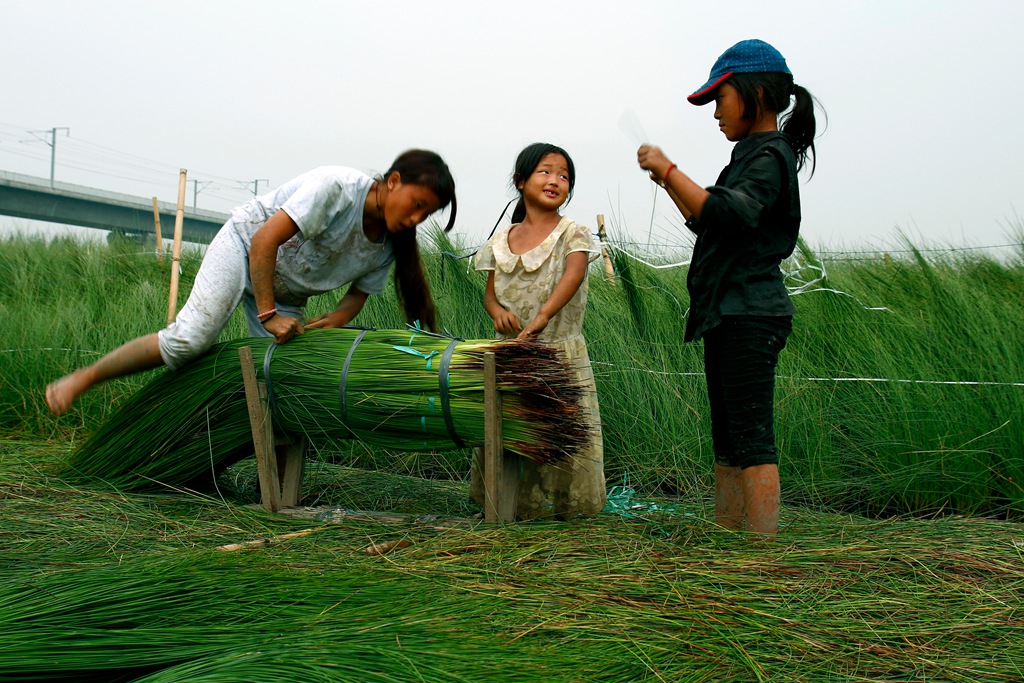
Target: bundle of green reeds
<point>404,390</point>
<point>230,616</point>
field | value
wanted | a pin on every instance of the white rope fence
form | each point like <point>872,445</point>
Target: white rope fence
<point>826,379</point>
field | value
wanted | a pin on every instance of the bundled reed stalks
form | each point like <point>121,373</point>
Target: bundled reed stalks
<point>403,390</point>
<point>220,618</point>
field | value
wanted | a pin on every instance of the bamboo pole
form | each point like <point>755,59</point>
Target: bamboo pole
<point>156,225</point>
<point>179,218</point>
<point>609,271</point>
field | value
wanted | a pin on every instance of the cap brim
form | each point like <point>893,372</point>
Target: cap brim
<point>706,92</point>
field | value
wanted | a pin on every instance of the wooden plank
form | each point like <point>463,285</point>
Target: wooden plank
<point>508,486</point>
<point>492,438</point>
<point>262,433</point>
<point>338,514</point>
<point>294,469</point>
<point>609,270</point>
<point>501,469</point>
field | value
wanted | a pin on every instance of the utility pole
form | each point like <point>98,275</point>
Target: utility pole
<point>256,185</point>
<point>53,149</point>
<point>195,191</point>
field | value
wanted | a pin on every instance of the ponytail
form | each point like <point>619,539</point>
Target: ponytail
<point>411,287</point>
<point>799,126</point>
<point>519,213</point>
<point>777,92</point>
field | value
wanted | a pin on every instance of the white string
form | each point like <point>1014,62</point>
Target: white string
<point>646,263</point>
<point>828,379</point>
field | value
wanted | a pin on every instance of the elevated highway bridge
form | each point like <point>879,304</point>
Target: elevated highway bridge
<point>25,196</point>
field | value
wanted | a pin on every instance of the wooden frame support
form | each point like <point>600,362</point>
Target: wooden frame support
<point>275,494</point>
<point>609,269</point>
<point>501,467</point>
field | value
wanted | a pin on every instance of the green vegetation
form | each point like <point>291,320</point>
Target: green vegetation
<point>104,585</point>
<point>917,407</point>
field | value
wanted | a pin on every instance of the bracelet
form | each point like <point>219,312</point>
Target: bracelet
<point>664,178</point>
<point>266,315</point>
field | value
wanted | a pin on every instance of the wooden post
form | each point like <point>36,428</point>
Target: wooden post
<point>501,468</point>
<point>179,219</point>
<point>262,433</point>
<point>159,237</point>
<point>294,469</point>
<point>609,271</point>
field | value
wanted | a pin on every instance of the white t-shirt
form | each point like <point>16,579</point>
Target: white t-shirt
<point>330,249</point>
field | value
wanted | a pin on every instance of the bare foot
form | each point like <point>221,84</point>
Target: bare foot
<point>62,393</point>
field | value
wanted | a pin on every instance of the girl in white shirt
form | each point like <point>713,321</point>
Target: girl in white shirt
<point>327,228</point>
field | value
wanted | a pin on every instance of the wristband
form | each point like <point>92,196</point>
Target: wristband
<point>664,178</point>
<point>266,315</point>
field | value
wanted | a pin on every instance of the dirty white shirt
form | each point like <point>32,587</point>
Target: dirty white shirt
<point>330,249</point>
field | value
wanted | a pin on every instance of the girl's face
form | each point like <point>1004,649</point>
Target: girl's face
<point>407,204</point>
<point>548,185</point>
<point>729,113</point>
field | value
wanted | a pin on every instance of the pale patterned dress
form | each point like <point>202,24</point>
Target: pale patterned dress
<point>522,284</point>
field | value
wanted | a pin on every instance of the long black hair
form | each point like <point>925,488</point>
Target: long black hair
<point>797,124</point>
<point>526,164</point>
<point>419,167</point>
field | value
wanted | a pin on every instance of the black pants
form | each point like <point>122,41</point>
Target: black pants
<point>740,356</point>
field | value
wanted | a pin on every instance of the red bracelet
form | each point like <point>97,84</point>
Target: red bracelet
<point>664,178</point>
<point>266,315</point>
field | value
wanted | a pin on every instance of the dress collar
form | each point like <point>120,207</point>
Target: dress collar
<point>533,259</point>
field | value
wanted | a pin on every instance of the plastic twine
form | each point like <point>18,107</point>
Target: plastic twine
<point>343,384</point>
<point>443,382</point>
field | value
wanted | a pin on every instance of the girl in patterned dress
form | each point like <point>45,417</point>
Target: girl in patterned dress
<point>537,288</point>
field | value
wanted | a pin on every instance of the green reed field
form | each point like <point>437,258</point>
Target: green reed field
<point>901,554</point>
<point>900,391</point>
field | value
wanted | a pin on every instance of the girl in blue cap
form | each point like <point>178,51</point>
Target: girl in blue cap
<point>746,224</point>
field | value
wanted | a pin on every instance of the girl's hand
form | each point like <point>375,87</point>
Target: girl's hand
<point>507,323</point>
<point>283,328</point>
<point>653,160</point>
<point>322,322</point>
<point>536,326</point>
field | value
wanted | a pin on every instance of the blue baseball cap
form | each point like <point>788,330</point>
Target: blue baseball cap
<point>746,56</point>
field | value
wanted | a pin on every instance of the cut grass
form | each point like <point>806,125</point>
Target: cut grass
<point>101,585</point>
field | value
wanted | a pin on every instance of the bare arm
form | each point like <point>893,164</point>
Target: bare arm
<point>262,263</point>
<point>688,196</point>
<point>344,313</point>
<point>568,285</point>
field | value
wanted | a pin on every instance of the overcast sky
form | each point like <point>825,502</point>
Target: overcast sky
<point>923,98</point>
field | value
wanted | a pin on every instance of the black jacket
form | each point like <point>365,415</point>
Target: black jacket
<point>748,226</point>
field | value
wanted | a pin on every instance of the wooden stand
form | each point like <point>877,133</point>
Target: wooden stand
<point>609,270</point>
<point>274,493</point>
<point>501,468</point>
